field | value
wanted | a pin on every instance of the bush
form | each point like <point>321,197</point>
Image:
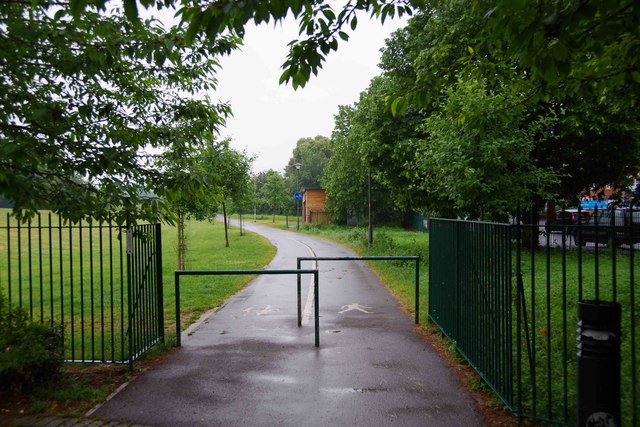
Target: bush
<point>30,353</point>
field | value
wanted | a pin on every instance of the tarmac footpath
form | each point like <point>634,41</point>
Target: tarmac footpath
<point>250,364</point>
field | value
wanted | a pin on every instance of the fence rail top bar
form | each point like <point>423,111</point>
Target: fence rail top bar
<point>470,221</point>
<point>239,272</point>
<point>360,258</point>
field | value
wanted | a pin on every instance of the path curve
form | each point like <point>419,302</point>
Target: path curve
<point>249,363</point>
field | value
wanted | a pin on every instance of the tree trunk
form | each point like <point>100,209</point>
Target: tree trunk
<point>182,246</point>
<point>530,229</point>
<point>226,226</point>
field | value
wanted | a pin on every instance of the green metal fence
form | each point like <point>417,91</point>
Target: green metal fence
<point>100,282</point>
<point>507,296</point>
<point>470,294</point>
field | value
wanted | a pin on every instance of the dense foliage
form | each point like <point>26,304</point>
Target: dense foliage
<point>91,94</point>
<point>86,103</point>
<point>495,104</point>
<point>30,353</point>
<point>312,154</point>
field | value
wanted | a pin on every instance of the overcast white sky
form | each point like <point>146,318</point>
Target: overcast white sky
<point>269,118</point>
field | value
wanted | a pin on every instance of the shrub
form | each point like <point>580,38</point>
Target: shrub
<point>30,353</point>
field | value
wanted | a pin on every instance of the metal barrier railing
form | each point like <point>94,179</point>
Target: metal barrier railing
<point>365,258</point>
<point>298,272</point>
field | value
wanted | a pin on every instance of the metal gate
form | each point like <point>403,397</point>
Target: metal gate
<point>100,282</point>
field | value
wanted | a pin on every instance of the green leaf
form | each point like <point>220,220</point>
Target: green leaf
<point>354,22</point>
<point>328,13</point>
<point>131,10</point>
<point>77,6</point>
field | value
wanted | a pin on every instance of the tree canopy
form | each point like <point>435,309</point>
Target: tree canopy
<point>86,104</point>
<point>91,94</point>
<point>312,154</point>
<point>494,103</point>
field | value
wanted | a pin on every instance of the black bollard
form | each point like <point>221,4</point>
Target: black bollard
<point>598,364</point>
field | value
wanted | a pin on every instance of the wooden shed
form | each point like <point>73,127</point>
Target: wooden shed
<point>313,210</point>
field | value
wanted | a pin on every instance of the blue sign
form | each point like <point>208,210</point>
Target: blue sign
<point>298,195</point>
<point>592,204</point>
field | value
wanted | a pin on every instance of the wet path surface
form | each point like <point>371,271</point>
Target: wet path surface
<point>249,363</point>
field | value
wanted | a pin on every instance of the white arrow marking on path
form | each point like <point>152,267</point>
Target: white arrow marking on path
<point>267,310</point>
<point>355,306</point>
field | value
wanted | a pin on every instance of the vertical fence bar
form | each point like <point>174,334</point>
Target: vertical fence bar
<point>30,268</point>
<point>564,321</point>
<point>508,302</point>
<point>19,264</point>
<point>81,284</point>
<point>92,292</point>
<point>316,308</point>
<point>417,316</point>
<point>160,279</point>
<point>597,255</point>
<point>139,306</point>
<point>111,290</point>
<point>519,411</point>
<point>177,293</point>
<point>632,315</point>
<point>9,260</point>
<point>535,230</point>
<point>101,280</point>
<point>72,310</point>
<point>147,275</point>
<point>548,321</point>
<point>51,272</point>
<point>40,272</point>
<point>299,293</point>
<point>130,326</point>
<point>61,267</point>
<point>123,320</point>
<point>579,239</point>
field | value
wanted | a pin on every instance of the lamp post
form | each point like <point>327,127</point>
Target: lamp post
<point>297,166</point>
